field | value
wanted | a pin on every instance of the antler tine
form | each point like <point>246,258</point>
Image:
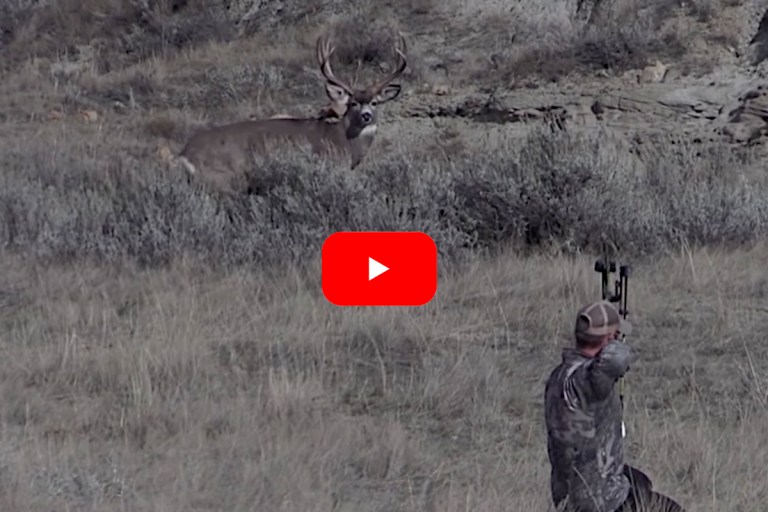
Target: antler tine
<point>402,62</point>
<point>324,51</point>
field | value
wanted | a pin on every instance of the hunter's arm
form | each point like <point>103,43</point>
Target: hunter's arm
<point>597,378</point>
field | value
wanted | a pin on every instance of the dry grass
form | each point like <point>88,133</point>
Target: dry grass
<point>186,389</point>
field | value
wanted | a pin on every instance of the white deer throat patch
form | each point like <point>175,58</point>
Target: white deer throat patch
<point>368,131</point>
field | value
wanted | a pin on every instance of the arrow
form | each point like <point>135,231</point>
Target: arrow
<point>375,269</point>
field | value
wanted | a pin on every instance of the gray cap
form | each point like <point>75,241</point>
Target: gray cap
<point>600,318</point>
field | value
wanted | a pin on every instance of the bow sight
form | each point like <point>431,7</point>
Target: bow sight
<point>605,266</point>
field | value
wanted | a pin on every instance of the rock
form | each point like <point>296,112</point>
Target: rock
<point>653,74</point>
<point>758,45</point>
<point>165,154</point>
<point>747,118</point>
<point>89,116</point>
<point>597,109</point>
<point>440,90</point>
<point>55,115</point>
<point>744,133</point>
<point>433,62</point>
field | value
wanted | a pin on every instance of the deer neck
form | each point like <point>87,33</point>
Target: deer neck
<point>359,139</point>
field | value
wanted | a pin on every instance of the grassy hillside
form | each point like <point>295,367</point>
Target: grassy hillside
<point>168,348</point>
<point>190,389</point>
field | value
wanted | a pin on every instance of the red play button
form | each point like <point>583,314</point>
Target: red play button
<point>379,268</point>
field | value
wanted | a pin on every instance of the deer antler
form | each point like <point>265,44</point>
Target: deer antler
<point>324,51</point>
<point>400,49</point>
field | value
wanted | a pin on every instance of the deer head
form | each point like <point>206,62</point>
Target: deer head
<point>357,107</point>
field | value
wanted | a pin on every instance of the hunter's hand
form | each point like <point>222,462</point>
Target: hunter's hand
<point>607,367</point>
<point>618,355</point>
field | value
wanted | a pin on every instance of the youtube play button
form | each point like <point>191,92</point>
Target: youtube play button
<point>375,269</point>
<point>379,268</point>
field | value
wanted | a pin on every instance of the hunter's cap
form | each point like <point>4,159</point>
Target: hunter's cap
<point>600,318</point>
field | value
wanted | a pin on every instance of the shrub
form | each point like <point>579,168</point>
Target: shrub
<point>556,191</point>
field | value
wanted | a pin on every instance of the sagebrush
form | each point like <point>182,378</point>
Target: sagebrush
<point>556,190</point>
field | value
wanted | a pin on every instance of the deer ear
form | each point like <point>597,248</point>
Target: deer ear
<point>388,93</point>
<point>336,94</point>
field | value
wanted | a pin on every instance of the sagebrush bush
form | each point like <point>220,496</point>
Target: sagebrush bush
<point>559,191</point>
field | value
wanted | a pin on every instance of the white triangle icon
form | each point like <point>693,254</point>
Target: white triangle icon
<point>375,269</point>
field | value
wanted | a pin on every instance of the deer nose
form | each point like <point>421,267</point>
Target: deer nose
<point>366,117</point>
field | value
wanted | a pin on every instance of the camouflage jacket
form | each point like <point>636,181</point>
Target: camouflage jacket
<point>584,429</point>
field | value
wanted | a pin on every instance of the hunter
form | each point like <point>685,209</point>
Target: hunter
<point>585,427</point>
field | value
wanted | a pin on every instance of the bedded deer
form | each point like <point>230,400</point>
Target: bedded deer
<point>346,127</point>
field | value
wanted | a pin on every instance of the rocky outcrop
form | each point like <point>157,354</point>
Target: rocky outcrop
<point>746,120</point>
<point>758,45</point>
<point>733,111</point>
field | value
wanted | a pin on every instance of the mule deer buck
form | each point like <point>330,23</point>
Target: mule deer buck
<point>346,127</point>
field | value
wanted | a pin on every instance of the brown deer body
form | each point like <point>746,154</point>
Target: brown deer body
<point>221,155</point>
